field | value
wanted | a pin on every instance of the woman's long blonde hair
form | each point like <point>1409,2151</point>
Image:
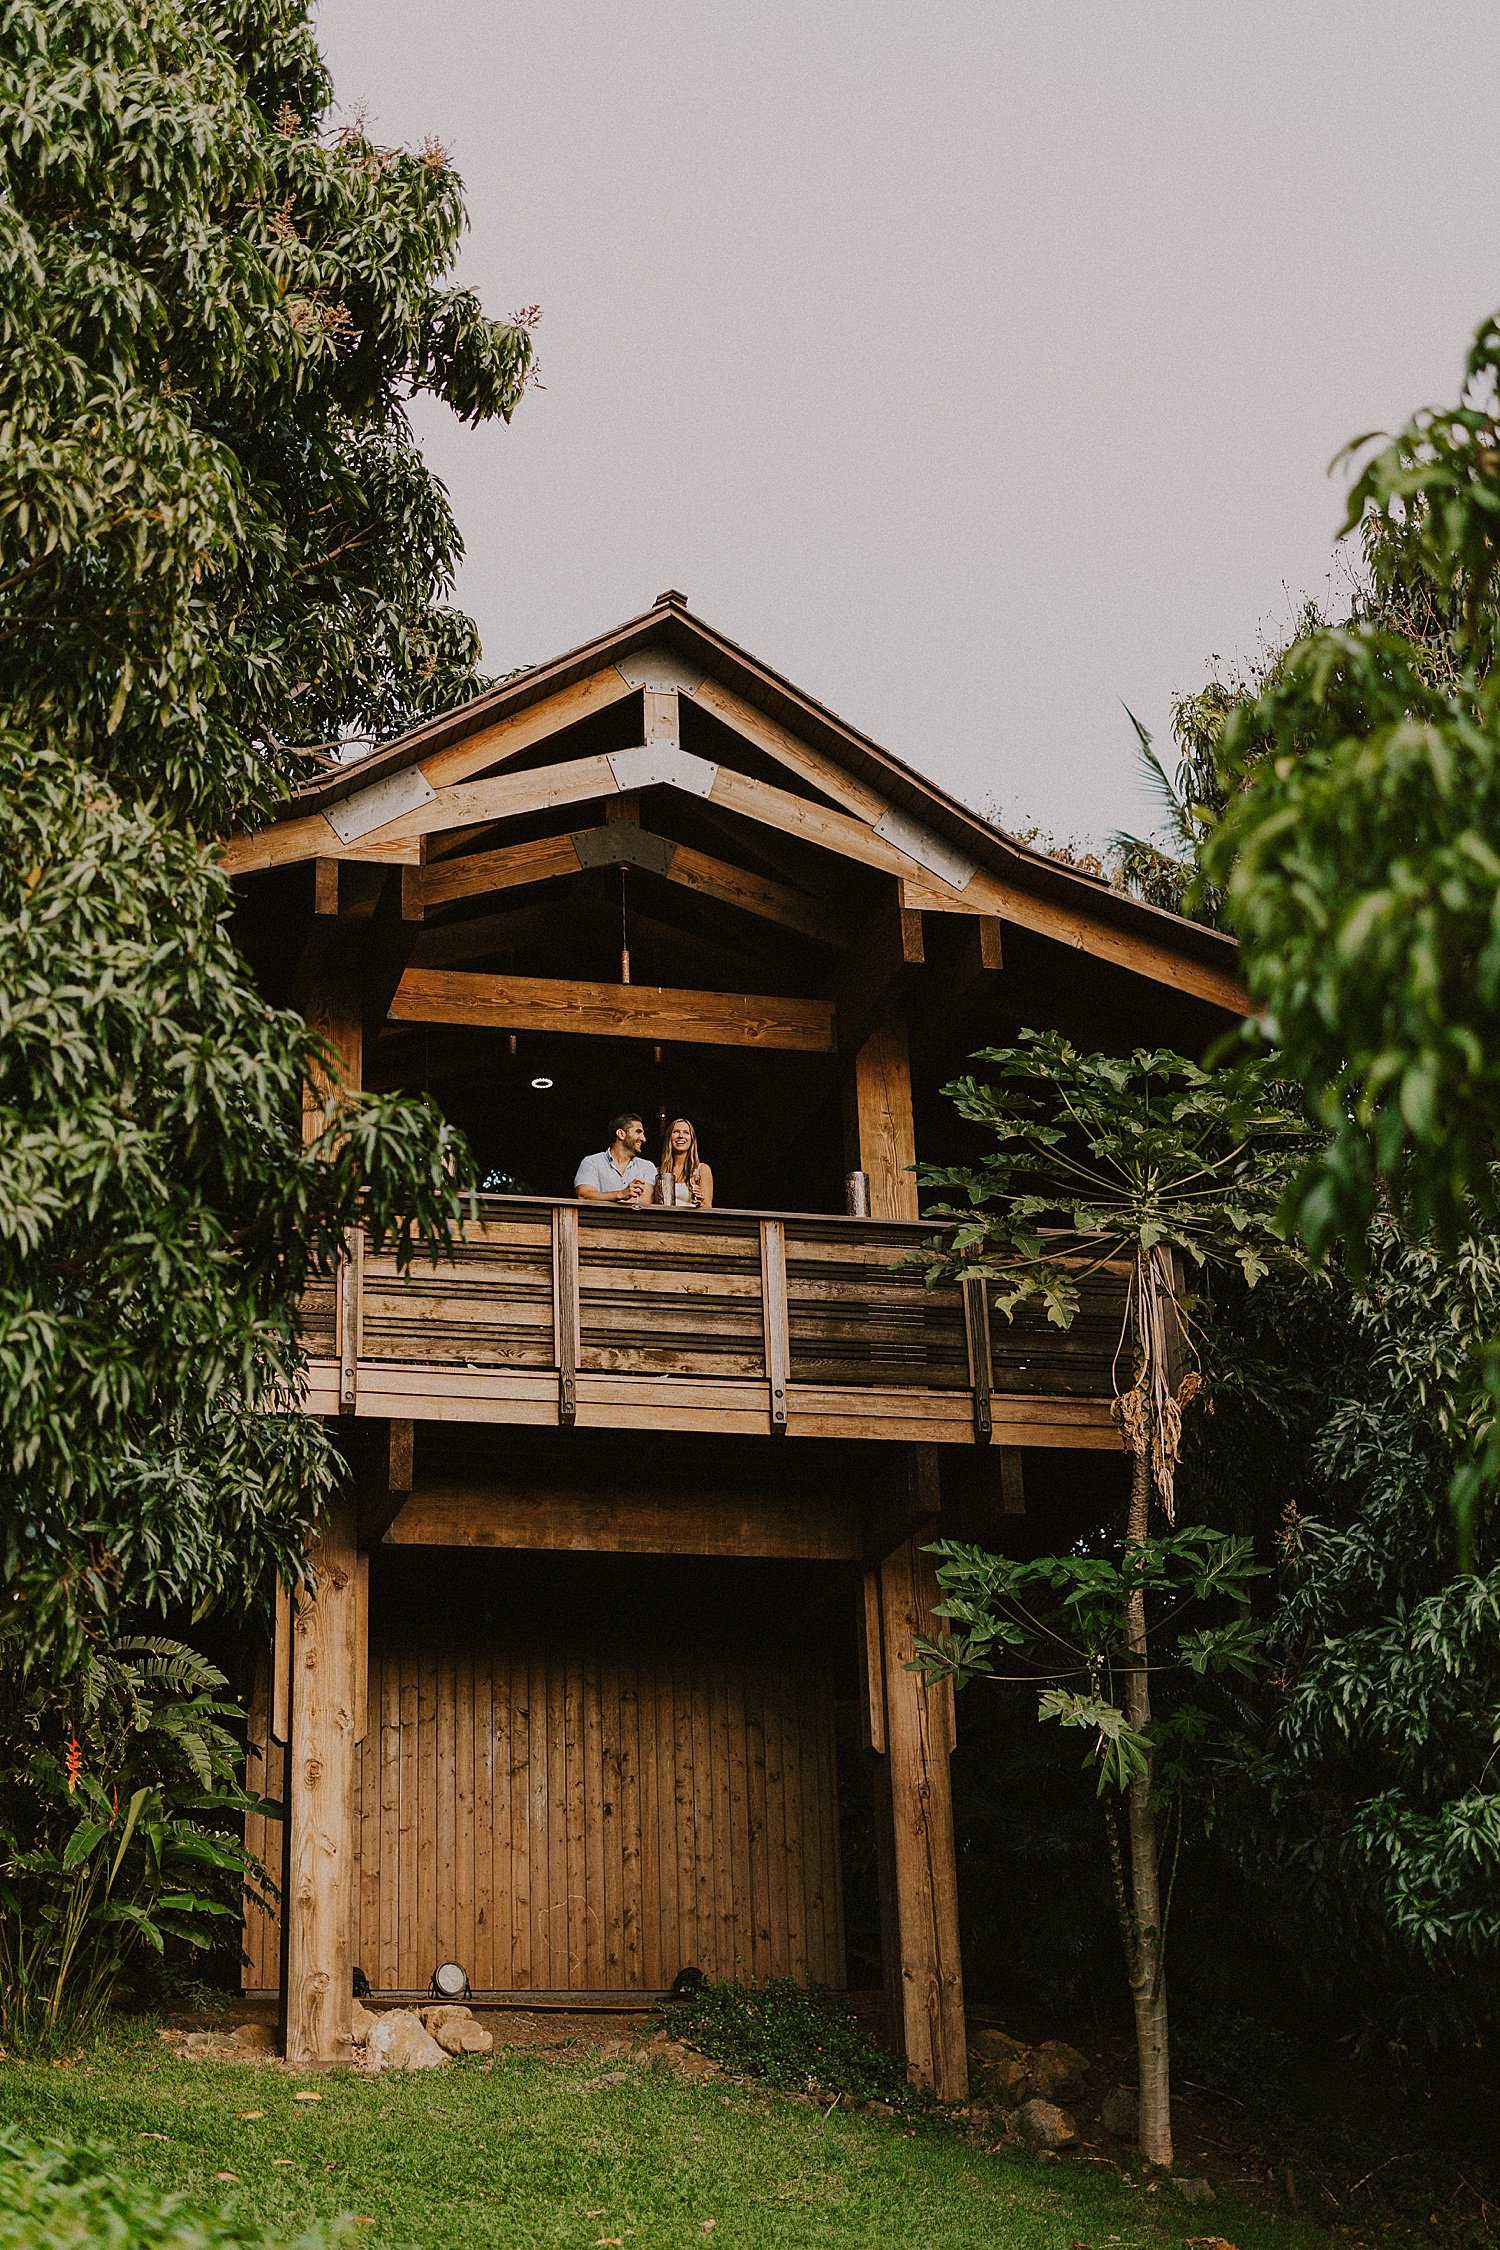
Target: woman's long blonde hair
<point>667,1169</point>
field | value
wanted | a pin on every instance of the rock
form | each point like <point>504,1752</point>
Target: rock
<point>690,2063</point>
<point>882,2112</point>
<point>995,2046</point>
<point>362,2022</point>
<point>255,2038</point>
<point>456,2030</point>
<point>1194,2191</point>
<point>1042,2125</point>
<point>433,2019</point>
<point>1120,2113</point>
<point>1058,2072</point>
<point>399,2042</point>
<point>1006,2082</point>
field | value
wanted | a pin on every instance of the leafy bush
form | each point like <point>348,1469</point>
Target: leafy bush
<point>800,2037</point>
<point>62,2197</point>
<point>119,1815</point>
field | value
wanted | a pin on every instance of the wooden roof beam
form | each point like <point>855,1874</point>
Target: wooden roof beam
<point>508,795</point>
<point>613,1011</point>
<point>624,842</point>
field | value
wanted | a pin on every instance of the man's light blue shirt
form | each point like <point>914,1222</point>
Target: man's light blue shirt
<point>598,1172</point>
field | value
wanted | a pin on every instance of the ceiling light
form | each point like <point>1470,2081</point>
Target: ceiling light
<point>541,1085</point>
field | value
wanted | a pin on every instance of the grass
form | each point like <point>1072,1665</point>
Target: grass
<point>532,2149</point>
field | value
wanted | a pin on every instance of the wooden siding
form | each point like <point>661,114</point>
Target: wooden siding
<point>560,1821</point>
<point>265,1776</point>
<point>717,1320</point>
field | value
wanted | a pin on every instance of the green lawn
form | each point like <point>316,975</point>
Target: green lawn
<point>531,2149</point>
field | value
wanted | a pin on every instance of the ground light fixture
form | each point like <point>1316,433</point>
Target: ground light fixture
<point>450,1981</point>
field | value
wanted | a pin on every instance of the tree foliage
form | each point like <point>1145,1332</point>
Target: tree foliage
<point>218,543</point>
<point>219,550</point>
<point>1359,1797</point>
<point>1102,1158</point>
<point>1360,847</point>
<point>159,1215</point>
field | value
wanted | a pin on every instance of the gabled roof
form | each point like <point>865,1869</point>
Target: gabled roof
<point>875,808</point>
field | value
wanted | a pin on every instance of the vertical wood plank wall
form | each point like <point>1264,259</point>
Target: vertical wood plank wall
<point>265,1776</point>
<point>561,1822</point>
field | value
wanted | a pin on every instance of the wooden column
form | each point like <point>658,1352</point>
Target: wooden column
<point>334,1008</point>
<point>326,1694</point>
<point>914,1806</point>
<point>886,1132</point>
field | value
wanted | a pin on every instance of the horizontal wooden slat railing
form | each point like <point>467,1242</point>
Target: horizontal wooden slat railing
<point>740,1322</point>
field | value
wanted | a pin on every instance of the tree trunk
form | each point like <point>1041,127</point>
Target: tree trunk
<point>1148,1981</point>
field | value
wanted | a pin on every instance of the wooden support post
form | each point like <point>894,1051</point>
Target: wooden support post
<point>886,954</point>
<point>384,1479</point>
<point>922,1951</point>
<point>334,1009</point>
<point>981,1362</point>
<point>325,1698</point>
<point>348,1317</point>
<point>659,716</point>
<point>565,1313</point>
<point>361,1646</point>
<point>773,1309</point>
<point>886,1130</point>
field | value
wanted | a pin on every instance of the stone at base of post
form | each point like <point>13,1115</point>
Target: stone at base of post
<point>318,1899</point>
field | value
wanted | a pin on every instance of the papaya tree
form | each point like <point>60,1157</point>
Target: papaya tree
<point>1152,1165</point>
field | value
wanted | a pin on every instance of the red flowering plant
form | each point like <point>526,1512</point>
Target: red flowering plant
<point>121,1819</point>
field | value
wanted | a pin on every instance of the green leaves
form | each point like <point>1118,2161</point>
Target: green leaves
<point>217,542</point>
<point>1062,1623</point>
<point>1360,851</point>
<point>120,1807</point>
<point>159,1216</point>
<point>221,558</point>
<point>1103,1157</point>
<point>1118,1751</point>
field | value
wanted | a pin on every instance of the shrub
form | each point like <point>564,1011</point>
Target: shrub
<point>800,2037</point>
<point>63,2197</point>
<point>119,1810</point>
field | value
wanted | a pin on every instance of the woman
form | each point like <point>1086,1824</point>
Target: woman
<point>683,1177</point>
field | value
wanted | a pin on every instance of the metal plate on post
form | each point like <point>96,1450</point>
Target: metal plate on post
<point>653,763</point>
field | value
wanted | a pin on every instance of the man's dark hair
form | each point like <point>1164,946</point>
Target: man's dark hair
<point>626,1117</point>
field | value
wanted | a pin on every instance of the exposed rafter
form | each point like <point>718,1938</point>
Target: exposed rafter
<point>613,1011</point>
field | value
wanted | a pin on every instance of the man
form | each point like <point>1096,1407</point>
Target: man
<point>619,1173</point>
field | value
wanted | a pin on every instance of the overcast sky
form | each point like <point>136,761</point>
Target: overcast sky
<point>976,364</point>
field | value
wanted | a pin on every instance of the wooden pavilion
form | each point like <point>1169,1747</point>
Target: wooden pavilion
<point>640,1496</point>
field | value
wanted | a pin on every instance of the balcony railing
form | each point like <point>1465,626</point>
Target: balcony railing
<point>737,1322</point>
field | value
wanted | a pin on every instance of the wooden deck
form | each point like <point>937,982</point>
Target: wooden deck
<point>737,1322</point>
